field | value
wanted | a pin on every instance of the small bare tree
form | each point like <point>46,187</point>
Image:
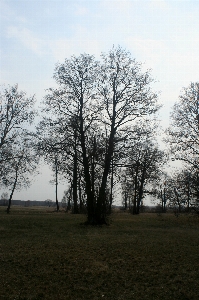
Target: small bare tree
<point>17,155</point>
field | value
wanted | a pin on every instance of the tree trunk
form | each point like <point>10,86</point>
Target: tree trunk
<point>70,197</point>
<point>125,200</point>
<point>111,194</point>
<point>93,169</point>
<point>162,202</point>
<point>197,187</point>
<point>129,203</point>
<point>141,190</point>
<point>179,206</point>
<point>89,193</point>
<point>75,211</point>
<point>139,198</point>
<point>135,197</point>
<point>188,200</point>
<point>135,191</point>
<point>80,195</point>
<point>57,204</point>
<point>13,189</point>
<point>101,210</point>
<point>101,201</point>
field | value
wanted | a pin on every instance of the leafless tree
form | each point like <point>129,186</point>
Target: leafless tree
<point>183,134</point>
<point>107,95</point>
<point>17,113</point>
<point>23,163</point>
<point>17,156</point>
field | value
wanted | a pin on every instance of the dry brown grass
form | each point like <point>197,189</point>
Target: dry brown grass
<point>53,256</point>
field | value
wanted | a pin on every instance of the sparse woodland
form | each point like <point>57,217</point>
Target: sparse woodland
<point>99,130</point>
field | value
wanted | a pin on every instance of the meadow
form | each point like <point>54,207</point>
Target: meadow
<point>49,255</point>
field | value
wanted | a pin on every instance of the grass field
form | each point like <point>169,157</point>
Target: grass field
<point>48,255</point>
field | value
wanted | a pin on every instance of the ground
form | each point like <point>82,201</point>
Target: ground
<point>49,255</point>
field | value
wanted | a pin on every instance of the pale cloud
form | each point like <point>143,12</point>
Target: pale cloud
<point>150,50</point>
<point>58,49</point>
<point>117,5</point>
<point>80,10</point>
<point>5,11</point>
<point>174,67</point>
<point>171,60</point>
<point>184,68</point>
<point>21,20</point>
<point>26,38</point>
<point>82,41</point>
<point>64,48</point>
<point>159,4</point>
<point>8,14</point>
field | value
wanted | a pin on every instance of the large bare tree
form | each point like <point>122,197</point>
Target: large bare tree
<point>104,97</point>
<point>126,96</point>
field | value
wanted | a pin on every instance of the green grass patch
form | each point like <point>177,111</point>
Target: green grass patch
<point>49,255</point>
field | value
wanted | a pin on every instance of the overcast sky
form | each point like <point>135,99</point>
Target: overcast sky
<point>35,35</point>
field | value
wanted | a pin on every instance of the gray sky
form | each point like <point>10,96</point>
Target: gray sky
<point>35,35</point>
